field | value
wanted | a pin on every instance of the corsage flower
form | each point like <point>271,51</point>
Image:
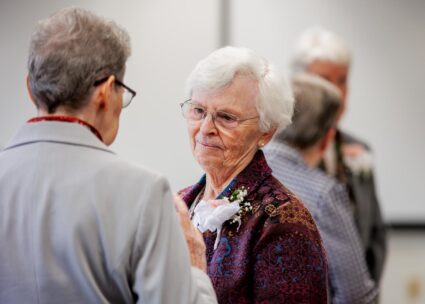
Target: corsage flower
<point>211,214</point>
<point>357,159</point>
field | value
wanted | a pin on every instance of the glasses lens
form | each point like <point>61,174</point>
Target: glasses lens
<point>226,120</point>
<point>192,111</point>
<point>126,98</point>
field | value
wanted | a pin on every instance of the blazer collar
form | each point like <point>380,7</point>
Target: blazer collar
<point>56,132</point>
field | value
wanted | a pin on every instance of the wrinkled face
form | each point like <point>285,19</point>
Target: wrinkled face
<point>334,73</point>
<point>215,147</point>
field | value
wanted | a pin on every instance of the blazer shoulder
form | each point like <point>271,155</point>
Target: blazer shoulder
<point>116,163</point>
<point>130,177</point>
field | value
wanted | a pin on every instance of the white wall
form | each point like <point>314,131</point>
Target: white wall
<point>168,38</point>
<point>386,104</point>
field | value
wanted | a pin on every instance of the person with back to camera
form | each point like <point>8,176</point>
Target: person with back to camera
<point>263,246</point>
<point>294,155</point>
<point>78,224</point>
<point>323,53</point>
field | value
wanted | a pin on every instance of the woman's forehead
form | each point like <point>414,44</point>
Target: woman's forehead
<point>240,95</point>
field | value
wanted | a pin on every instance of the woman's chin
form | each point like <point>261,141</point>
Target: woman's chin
<point>208,162</point>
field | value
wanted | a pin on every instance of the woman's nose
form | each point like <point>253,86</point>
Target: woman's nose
<point>208,124</point>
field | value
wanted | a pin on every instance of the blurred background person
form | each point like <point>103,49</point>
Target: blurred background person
<point>262,244</point>
<point>294,154</point>
<point>77,223</point>
<point>323,53</point>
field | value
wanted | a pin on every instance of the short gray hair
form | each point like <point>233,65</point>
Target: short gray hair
<point>69,51</point>
<point>274,102</point>
<point>319,44</point>
<point>316,106</point>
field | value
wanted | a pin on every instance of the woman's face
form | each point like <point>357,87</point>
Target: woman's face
<point>216,147</point>
<point>337,74</point>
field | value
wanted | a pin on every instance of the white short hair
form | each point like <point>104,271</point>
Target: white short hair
<point>275,102</point>
<point>319,44</point>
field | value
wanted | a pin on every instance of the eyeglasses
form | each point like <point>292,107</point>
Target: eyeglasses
<point>128,93</point>
<point>194,113</point>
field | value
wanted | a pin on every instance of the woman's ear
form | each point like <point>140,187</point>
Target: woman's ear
<point>266,137</point>
<point>102,98</point>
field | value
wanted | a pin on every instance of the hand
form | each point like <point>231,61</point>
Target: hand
<point>193,236</point>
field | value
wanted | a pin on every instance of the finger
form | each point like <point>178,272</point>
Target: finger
<point>180,205</point>
<point>183,214</point>
<point>199,239</point>
<point>197,233</point>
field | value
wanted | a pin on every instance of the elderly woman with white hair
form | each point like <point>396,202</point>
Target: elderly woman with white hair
<point>262,243</point>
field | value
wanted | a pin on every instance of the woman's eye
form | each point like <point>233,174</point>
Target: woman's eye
<point>198,111</point>
<point>226,117</point>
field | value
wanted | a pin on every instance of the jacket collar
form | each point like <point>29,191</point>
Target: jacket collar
<point>56,132</point>
<point>276,149</point>
<point>250,178</point>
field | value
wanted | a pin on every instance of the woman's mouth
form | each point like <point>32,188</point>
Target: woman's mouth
<point>208,145</point>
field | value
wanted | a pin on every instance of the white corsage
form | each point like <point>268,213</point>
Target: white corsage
<point>357,159</point>
<point>210,215</point>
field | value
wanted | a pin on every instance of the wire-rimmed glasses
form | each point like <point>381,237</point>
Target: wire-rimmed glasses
<point>194,112</point>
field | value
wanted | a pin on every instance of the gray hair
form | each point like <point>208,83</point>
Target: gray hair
<point>274,102</point>
<point>69,51</point>
<point>319,44</point>
<point>316,108</point>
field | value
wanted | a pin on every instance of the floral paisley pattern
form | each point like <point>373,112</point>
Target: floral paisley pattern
<point>276,256</point>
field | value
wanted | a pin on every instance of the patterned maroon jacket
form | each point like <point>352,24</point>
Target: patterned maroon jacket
<point>276,256</point>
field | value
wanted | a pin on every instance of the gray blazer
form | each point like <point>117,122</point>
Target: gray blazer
<point>80,225</point>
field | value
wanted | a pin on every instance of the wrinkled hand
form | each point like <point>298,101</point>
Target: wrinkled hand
<point>193,236</point>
